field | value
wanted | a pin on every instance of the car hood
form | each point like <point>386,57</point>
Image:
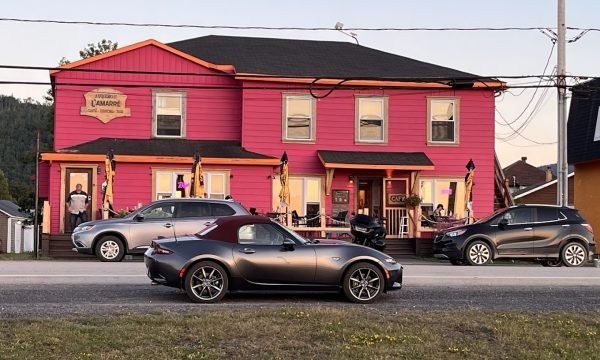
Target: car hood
<point>332,242</point>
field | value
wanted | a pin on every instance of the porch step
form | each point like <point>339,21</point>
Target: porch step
<point>400,247</point>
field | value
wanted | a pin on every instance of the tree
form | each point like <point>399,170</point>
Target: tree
<point>4,193</point>
<point>96,49</point>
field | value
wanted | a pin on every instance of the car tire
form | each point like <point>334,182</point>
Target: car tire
<point>478,253</point>
<point>551,263</point>
<point>206,282</point>
<point>110,249</point>
<point>363,283</point>
<point>573,254</point>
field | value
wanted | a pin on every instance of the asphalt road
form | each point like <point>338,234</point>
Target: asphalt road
<point>54,288</point>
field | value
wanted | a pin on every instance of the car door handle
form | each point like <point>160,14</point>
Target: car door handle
<point>247,251</point>
<point>168,225</point>
<point>528,229</point>
<point>565,225</point>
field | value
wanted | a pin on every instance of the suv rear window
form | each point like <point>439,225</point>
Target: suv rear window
<point>221,210</point>
<point>547,214</point>
<point>188,209</point>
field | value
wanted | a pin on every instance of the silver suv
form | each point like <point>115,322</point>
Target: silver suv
<point>111,239</point>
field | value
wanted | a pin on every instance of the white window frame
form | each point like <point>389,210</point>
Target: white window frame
<point>183,101</point>
<point>455,119</point>
<point>304,192</point>
<point>312,118</point>
<point>597,130</point>
<point>384,120</point>
<point>175,173</point>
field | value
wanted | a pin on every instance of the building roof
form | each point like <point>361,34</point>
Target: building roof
<point>166,147</point>
<point>331,59</point>
<point>535,187</point>
<point>375,159</point>
<point>583,124</point>
<point>553,167</point>
<point>524,174</point>
<point>11,209</point>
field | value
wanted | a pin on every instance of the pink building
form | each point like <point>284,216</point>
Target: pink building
<point>378,128</point>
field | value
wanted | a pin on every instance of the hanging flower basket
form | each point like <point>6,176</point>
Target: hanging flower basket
<point>413,200</point>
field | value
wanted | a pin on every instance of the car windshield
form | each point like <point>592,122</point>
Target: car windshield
<point>490,216</point>
<point>292,233</point>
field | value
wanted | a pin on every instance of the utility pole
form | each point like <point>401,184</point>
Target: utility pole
<point>561,168</point>
<point>36,230</point>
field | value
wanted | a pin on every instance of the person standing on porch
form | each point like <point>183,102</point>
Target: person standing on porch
<point>77,202</point>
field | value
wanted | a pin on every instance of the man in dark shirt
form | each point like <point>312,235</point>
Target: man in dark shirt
<point>77,202</point>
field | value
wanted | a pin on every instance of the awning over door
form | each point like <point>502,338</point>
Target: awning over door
<point>372,160</point>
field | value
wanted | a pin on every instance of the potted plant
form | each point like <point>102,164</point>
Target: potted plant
<point>413,200</point>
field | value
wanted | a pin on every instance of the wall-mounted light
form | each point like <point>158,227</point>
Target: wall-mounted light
<point>350,180</point>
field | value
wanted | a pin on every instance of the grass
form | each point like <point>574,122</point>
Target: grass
<point>323,333</point>
<point>21,256</point>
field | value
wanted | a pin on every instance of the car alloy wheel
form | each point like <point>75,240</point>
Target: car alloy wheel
<point>363,283</point>
<point>574,254</point>
<point>110,249</point>
<point>206,282</point>
<point>479,253</point>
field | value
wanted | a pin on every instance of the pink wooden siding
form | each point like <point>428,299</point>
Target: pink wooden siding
<point>210,113</point>
<point>44,173</point>
<point>407,132</point>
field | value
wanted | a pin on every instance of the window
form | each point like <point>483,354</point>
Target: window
<point>547,214</point>
<point>176,184</point>
<point>371,119</point>
<point>193,209</point>
<point>516,216</point>
<point>305,195</point>
<point>260,234</point>
<point>221,210</point>
<point>448,192</point>
<point>169,114</point>
<point>159,211</point>
<point>443,120</point>
<point>597,131</point>
<point>299,118</point>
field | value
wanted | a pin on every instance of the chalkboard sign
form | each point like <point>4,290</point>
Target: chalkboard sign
<point>341,196</point>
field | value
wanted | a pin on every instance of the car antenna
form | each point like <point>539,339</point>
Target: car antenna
<point>174,233</point>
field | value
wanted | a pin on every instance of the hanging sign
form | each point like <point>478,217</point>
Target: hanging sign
<point>396,199</point>
<point>105,104</point>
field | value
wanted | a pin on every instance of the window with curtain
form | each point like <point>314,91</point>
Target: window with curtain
<point>443,120</point>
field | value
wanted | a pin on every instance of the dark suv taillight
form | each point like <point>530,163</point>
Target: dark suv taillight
<point>588,227</point>
<point>161,250</point>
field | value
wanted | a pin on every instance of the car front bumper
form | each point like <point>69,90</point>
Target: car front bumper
<point>395,280</point>
<point>446,249</point>
<point>81,243</point>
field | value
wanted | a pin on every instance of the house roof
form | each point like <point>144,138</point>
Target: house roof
<point>166,147</point>
<point>331,59</point>
<point>11,209</point>
<point>535,187</point>
<point>375,160</point>
<point>524,174</point>
<point>583,123</point>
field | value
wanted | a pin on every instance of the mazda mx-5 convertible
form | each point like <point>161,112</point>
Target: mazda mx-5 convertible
<point>256,254</point>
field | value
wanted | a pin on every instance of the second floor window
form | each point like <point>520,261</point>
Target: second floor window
<point>371,124</point>
<point>169,114</point>
<point>298,118</point>
<point>443,120</point>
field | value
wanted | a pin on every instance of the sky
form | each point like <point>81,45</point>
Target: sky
<point>482,53</point>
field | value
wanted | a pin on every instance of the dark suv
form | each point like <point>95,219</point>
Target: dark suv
<point>554,235</point>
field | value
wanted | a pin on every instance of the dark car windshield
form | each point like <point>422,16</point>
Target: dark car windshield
<point>295,235</point>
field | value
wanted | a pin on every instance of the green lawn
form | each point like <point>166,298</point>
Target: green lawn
<point>22,256</point>
<point>352,332</point>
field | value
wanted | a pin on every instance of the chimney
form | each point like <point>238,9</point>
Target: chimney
<point>524,159</point>
<point>549,175</point>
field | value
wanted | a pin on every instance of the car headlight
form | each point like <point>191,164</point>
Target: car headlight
<point>84,228</point>
<point>456,232</point>
<point>390,261</point>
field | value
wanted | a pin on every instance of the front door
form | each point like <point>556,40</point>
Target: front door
<point>369,196</point>
<point>75,176</point>
<point>516,236</point>
<point>396,213</point>
<point>261,258</point>
<point>157,221</point>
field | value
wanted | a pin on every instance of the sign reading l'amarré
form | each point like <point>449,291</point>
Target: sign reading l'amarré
<point>105,104</point>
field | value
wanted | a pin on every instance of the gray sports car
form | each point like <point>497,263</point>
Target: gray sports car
<point>254,253</point>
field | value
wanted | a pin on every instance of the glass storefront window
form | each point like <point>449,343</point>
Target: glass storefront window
<point>305,195</point>
<point>176,184</point>
<point>448,192</point>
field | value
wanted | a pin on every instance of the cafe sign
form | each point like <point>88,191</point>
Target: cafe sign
<point>396,199</point>
<point>105,104</point>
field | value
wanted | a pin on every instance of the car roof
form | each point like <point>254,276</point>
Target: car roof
<point>228,201</point>
<point>541,205</point>
<point>227,226</point>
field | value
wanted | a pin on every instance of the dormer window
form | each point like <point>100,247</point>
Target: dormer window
<point>169,114</point>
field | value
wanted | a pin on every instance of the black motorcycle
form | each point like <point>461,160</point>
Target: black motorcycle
<point>368,231</point>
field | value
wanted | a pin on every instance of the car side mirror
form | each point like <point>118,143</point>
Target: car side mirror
<point>289,245</point>
<point>502,223</point>
<point>139,217</point>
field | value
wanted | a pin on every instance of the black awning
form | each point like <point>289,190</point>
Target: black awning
<point>375,160</point>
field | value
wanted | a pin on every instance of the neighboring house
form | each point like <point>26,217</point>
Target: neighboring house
<point>521,175</point>
<point>583,139</point>
<point>543,193</point>
<point>12,236</point>
<point>390,127</point>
